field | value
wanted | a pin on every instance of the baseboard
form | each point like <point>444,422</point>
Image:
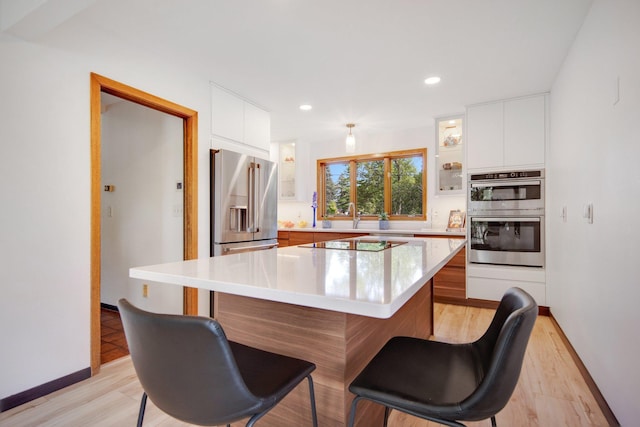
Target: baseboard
<point>450,300</point>
<point>108,306</point>
<point>43,389</point>
<point>591,384</point>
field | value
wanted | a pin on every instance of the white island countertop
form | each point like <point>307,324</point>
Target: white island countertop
<point>374,284</point>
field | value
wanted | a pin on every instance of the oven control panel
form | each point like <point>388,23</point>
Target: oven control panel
<point>507,175</point>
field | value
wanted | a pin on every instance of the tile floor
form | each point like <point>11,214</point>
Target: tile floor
<point>113,344</point>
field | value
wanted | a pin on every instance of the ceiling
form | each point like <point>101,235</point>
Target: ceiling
<point>361,61</point>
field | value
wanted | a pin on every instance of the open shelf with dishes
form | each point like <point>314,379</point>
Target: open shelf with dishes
<point>449,154</point>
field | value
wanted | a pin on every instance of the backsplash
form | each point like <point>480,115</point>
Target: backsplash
<point>438,215</point>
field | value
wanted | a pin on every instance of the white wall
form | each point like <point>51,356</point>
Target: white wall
<point>438,207</point>
<point>593,268</point>
<point>142,220</point>
<point>45,171</point>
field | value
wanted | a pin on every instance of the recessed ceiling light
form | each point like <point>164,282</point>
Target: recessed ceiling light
<point>305,107</point>
<point>432,80</point>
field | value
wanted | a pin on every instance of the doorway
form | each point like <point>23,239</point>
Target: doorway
<point>100,85</point>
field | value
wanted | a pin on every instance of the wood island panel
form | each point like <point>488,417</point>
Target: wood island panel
<point>340,345</point>
<point>298,237</point>
<point>324,236</point>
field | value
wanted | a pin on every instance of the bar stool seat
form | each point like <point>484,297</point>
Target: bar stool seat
<point>449,383</point>
<point>189,370</point>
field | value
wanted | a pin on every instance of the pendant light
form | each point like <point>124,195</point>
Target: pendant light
<point>350,142</point>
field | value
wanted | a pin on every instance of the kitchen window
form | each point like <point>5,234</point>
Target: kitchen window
<point>393,182</point>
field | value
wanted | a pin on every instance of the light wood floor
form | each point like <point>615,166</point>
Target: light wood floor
<point>551,391</point>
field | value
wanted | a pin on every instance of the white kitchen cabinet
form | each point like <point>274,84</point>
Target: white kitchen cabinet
<point>490,282</point>
<point>506,134</point>
<point>227,114</point>
<point>524,131</point>
<point>257,127</point>
<point>485,136</point>
<point>492,289</point>
<point>236,120</point>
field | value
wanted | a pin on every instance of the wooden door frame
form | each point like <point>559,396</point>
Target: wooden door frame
<point>101,84</point>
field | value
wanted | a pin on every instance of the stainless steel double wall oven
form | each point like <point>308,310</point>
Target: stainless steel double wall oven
<point>506,218</point>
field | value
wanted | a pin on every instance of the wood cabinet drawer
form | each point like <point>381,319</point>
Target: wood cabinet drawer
<point>450,283</point>
<point>283,238</point>
<point>459,260</point>
<point>453,278</point>
<point>283,234</point>
<point>300,237</point>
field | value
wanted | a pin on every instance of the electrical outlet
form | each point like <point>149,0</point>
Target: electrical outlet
<point>588,213</point>
<point>145,290</point>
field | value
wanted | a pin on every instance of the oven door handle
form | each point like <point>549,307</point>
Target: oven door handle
<point>506,219</point>
<point>503,184</point>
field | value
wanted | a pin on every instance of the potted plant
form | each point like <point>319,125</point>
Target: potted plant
<point>331,211</point>
<point>383,221</point>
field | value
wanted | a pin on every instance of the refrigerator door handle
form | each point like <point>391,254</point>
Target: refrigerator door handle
<point>250,248</point>
<point>257,188</point>
<point>250,198</point>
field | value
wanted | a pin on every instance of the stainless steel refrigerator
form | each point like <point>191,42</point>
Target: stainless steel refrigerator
<point>244,199</point>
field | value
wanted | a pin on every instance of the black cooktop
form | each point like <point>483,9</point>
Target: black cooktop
<point>355,245</point>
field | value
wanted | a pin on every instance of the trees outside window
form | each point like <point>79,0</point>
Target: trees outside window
<point>370,187</point>
<point>336,191</point>
<point>406,186</point>
<point>392,183</point>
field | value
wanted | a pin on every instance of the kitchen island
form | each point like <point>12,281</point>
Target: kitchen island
<point>334,307</point>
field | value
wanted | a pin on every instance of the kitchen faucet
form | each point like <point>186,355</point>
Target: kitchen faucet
<point>356,220</point>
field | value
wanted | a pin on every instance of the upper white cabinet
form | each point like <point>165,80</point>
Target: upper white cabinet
<point>484,136</point>
<point>237,120</point>
<point>509,133</point>
<point>257,127</point>
<point>227,114</point>
<point>524,131</point>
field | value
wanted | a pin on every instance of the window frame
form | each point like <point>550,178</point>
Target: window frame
<point>352,161</point>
